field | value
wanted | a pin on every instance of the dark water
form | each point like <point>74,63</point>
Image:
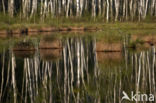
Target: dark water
<point>75,74</point>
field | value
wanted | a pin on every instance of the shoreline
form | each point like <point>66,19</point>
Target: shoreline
<point>38,28</point>
<point>46,29</point>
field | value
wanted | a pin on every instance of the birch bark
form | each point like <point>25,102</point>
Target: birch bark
<point>3,5</point>
<point>81,6</point>
<point>93,8</point>
<point>99,6</point>
<point>153,3</point>
<point>131,9</point>
<point>77,7</point>
<point>11,7</point>
<point>145,11</point>
<point>67,10</point>
<point>107,15</point>
<point>34,7</point>
<point>116,9</point>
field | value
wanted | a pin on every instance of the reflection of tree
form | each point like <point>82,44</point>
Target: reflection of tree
<point>2,75</point>
<point>76,77</point>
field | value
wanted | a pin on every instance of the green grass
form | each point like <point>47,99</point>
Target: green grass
<point>17,22</point>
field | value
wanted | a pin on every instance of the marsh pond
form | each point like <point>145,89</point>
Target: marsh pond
<point>77,69</point>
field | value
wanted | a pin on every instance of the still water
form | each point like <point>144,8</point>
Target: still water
<point>75,73</point>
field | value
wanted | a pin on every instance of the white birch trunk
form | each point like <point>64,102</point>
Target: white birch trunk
<point>116,9</point>
<point>107,15</point>
<point>131,9</point>
<point>153,3</point>
<point>13,77</point>
<point>78,69</point>
<point>145,9</point>
<point>11,7</point>
<point>25,8</point>
<point>65,74</point>
<point>111,9</point>
<point>67,11</point>
<point>81,6</point>
<point>127,9</point>
<point>2,76</point>
<point>124,8</point>
<point>99,6</point>
<point>77,7</point>
<point>93,8</point>
<point>34,7</point>
<point>3,5</point>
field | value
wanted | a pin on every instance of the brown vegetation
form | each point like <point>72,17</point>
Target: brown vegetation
<point>108,47</point>
<point>55,44</point>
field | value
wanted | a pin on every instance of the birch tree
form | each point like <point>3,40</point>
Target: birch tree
<point>153,4</point>
<point>116,9</point>
<point>93,8</point>
<point>34,7</point>
<point>3,5</point>
<point>99,7</point>
<point>68,5</point>
<point>11,7</point>
<point>110,10</point>
<point>81,6</point>
<point>25,8</point>
<point>77,7</point>
<point>107,17</point>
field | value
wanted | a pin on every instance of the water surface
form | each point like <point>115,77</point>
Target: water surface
<point>75,73</point>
